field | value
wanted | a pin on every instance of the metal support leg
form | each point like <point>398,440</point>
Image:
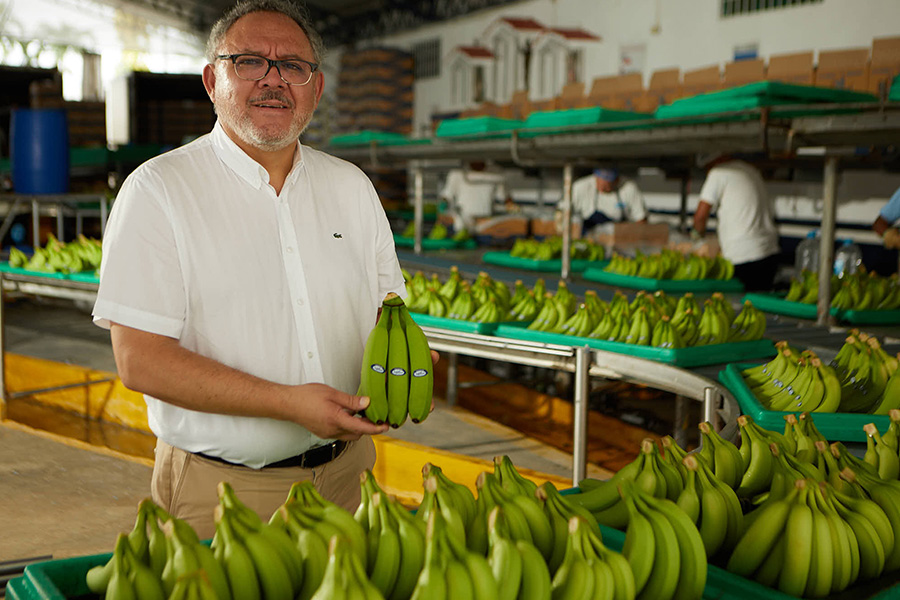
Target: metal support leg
<point>711,398</point>
<point>826,246</point>
<point>104,211</point>
<point>59,222</point>
<point>3,395</point>
<point>452,377</point>
<point>579,449</point>
<point>681,414</point>
<point>35,223</point>
<point>419,214</point>
<point>566,221</point>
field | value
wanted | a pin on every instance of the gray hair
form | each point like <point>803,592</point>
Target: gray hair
<point>288,8</point>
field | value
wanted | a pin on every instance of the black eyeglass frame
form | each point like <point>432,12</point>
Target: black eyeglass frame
<point>272,63</point>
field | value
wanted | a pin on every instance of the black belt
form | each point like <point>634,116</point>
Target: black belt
<point>314,457</point>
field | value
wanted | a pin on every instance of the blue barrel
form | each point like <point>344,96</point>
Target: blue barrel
<point>39,148</point>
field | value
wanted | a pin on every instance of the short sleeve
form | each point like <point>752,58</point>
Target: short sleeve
<point>890,212</point>
<point>713,188</point>
<point>141,283</point>
<point>634,200</point>
<point>583,197</point>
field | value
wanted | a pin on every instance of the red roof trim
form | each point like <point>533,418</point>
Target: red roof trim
<point>574,34</point>
<point>476,51</point>
<point>523,23</point>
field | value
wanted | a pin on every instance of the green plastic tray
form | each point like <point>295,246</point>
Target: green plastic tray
<point>553,121</point>
<point>775,303</point>
<point>457,324</point>
<point>503,259</point>
<point>427,244</point>
<point>666,285</point>
<point>696,356</point>
<point>778,89</point>
<point>383,138</point>
<point>894,94</point>
<point>85,277</point>
<point>477,127</point>
<point>4,267</point>
<point>837,427</point>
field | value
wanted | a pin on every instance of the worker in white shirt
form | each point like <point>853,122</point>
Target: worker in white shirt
<point>604,196</point>
<point>736,192</point>
<point>470,195</point>
<point>884,225</point>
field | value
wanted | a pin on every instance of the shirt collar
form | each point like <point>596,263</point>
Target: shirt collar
<point>239,162</point>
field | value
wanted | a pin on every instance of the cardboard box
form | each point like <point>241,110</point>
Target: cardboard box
<point>700,81</point>
<point>502,227</point>
<point>796,67</point>
<point>743,71</point>
<point>644,234</point>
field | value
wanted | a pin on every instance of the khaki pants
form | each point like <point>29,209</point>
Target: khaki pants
<point>185,484</point>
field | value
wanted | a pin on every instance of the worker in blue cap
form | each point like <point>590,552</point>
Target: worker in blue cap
<point>605,196</point>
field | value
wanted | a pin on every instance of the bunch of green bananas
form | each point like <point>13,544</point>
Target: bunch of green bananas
<point>550,248</point>
<point>795,381</point>
<point>712,506</point>
<point>396,540</point>
<point>456,298</point>
<point>410,230</point>
<point>143,563</point>
<point>438,232</point>
<point>650,471</point>
<point>311,523</point>
<point>397,371</point>
<point>869,380</point>
<point>663,546</point>
<point>560,511</point>
<point>591,570</point>
<point>345,575</point>
<point>451,570</point>
<point>814,541</point>
<point>858,291</point>
<point>83,254</point>
<point>881,450</point>
<point>669,264</point>
<point>518,567</point>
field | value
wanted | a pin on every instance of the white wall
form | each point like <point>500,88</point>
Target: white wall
<point>691,34</point>
<point>688,34</point>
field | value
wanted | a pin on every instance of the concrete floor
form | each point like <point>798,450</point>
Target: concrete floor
<point>66,498</point>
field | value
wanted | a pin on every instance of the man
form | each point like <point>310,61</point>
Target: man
<point>884,224</point>
<point>241,276</point>
<point>470,195</point>
<point>736,192</point>
<point>604,196</point>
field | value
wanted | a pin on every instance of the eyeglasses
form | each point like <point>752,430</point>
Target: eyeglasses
<point>251,67</point>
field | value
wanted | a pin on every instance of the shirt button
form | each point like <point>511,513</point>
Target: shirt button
<point>290,249</point>
<point>309,354</point>
<point>299,302</point>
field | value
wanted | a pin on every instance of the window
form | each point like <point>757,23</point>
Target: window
<point>459,82</point>
<point>479,84</point>
<point>427,58</point>
<point>731,8</point>
<point>503,68</point>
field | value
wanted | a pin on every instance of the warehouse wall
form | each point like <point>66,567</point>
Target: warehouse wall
<point>688,34</point>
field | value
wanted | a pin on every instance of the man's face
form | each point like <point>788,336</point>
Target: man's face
<point>267,114</point>
<point>604,186</point>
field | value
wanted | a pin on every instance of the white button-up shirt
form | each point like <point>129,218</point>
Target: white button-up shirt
<point>200,248</point>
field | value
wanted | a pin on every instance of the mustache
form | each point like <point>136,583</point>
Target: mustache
<point>272,95</point>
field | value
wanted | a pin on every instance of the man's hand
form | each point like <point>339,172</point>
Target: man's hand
<point>331,414</point>
<point>891,238</point>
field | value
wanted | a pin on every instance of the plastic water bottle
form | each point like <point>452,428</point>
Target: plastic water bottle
<point>807,255</point>
<point>847,259</point>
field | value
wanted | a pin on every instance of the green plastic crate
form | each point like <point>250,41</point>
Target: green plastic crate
<point>787,91</point>
<point>503,259</point>
<point>836,427</point>
<point>556,121</point>
<point>776,304</point>
<point>477,127</point>
<point>382,138</point>
<point>4,267</point>
<point>455,324</point>
<point>428,244</point>
<point>696,356</point>
<point>667,285</point>
<point>85,277</point>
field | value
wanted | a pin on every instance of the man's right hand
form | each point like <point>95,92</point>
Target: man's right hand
<point>331,414</point>
<point>891,238</point>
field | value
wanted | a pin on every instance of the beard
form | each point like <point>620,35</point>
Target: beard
<point>266,138</point>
